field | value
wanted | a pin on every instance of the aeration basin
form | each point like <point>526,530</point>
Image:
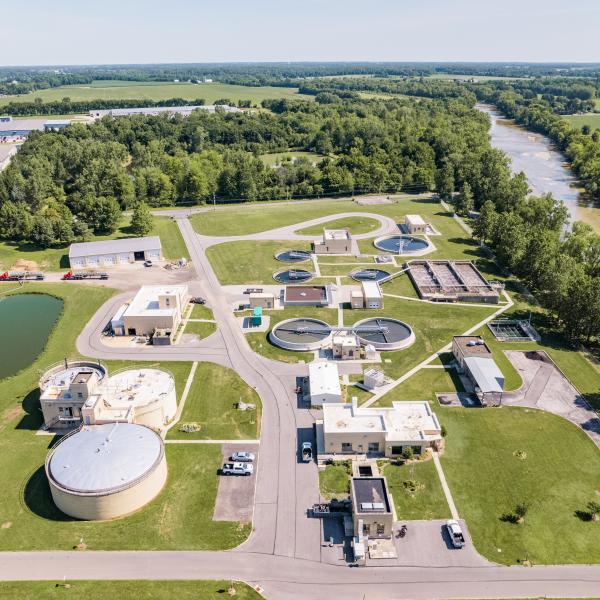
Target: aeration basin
<point>402,244</point>
<point>301,334</point>
<point>384,333</point>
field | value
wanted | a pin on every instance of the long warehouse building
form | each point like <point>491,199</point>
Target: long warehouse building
<point>114,252</point>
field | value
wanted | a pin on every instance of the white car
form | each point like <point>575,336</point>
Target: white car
<point>455,532</point>
<point>243,457</point>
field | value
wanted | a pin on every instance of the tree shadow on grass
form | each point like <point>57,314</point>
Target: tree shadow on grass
<point>583,515</point>
<point>509,518</point>
<point>38,498</point>
<point>32,420</point>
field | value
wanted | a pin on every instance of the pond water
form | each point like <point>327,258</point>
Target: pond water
<point>26,321</point>
<point>536,156</point>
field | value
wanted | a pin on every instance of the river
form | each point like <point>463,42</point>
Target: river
<point>545,167</point>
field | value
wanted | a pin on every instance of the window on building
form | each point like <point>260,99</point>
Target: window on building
<point>417,449</point>
<point>366,529</point>
<point>373,446</point>
<point>80,394</point>
<point>346,447</point>
<point>380,529</point>
<point>396,449</point>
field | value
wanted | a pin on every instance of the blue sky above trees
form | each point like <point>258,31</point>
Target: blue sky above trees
<point>133,31</point>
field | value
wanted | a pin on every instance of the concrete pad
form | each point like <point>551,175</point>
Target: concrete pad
<point>235,496</point>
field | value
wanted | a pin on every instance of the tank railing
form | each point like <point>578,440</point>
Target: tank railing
<point>65,364</point>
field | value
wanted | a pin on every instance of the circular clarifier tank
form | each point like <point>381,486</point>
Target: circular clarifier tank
<point>301,334</point>
<point>385,333</point>
<point>402,244</point>
<point>288,276</point>
<point>369,275</point>
<point>293,256</point>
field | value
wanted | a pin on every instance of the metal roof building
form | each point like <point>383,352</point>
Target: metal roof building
<point>106,471</point>
<point>324,383</point>
<point>114,252</point>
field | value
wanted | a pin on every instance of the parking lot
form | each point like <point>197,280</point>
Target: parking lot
<point>235,496</point>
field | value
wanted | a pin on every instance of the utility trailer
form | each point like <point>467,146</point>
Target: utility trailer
<point>21,276</point>
<point>79,275</point>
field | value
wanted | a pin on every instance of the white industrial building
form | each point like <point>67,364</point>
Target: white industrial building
<point>381,431</point>
<point>153,307</point>
<point>81,392</point>
<point>114,252</point>
<point>17,130</point>
<point>474,359</point>
<point>369,296</point>
<point>335,241</point>
<point>184,111</point>
<point>345,345</point>
<point>324,382</point>
<point>106,471</point>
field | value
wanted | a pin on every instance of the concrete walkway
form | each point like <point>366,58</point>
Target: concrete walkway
<point>184,396</point>
<point>445,487</point>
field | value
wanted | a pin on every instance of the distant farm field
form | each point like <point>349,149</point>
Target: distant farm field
<point>134,90</point>
<point>578,121</point>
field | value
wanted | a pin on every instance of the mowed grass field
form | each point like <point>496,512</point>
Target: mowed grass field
<point>578,121</point>
<point>144,590</point>
<point>54,259</point>
<point>180,517</point>
<point>498,458</point>
<point>356,225</point>
<point>135,90</point>
<point>211,403</point>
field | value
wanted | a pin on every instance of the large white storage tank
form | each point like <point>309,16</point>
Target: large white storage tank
<point>106,471</point>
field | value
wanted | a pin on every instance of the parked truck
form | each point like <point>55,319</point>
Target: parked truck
<point>21,276</point>
<point>237,468</point>
<point>79,275</point>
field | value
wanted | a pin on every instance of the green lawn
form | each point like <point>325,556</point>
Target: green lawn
<point>488,478</point>
<point>356,225</point>
<point>211,403</point>
<point>135,90</point>
<point>201,311</point>
<point>181,517</point>
<point>433,325</point>
<point>201,329</point>
<point>334,480</point>
<point>399,286</point>
<point>54,259</point>
<point>250,262</point>
<point>143,590</point>
<point>263,216</point>
<point>424,384</point>
<point>416,490</point>
<point>592,120</point>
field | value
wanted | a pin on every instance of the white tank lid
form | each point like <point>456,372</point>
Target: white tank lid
<point>105,458</point>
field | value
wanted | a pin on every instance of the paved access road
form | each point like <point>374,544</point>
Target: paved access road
<point>283,553</point>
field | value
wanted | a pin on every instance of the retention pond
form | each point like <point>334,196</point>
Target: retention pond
<point>26,321</point>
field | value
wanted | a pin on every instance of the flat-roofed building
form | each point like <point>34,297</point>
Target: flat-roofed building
<point>17,130</point>
<point>379,431</point>
<point>345,346</point>
<point>415,224</point>
<point>262,299</point>
<point>114,252</point>
<point>184,111</point>
<point>335,241</point>
<point>373,298</point>
<point>307,295</point>
<point>474,359</point>
<point>153,307</point>
<point>324,382</point>
<point>372,511</point>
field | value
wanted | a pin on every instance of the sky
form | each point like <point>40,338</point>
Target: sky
<point>42,32</point>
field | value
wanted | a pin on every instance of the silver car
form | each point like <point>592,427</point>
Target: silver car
<point>243,457</point>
